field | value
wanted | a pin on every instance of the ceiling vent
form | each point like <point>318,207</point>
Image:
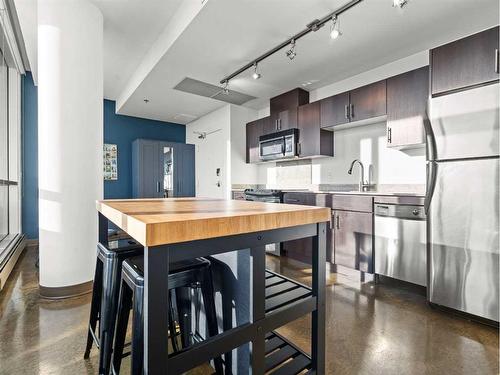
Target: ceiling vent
<point>196,87</point>
<point>184,118</point>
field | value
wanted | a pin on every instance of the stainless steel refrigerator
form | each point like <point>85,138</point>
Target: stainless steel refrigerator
<point>463,201</point>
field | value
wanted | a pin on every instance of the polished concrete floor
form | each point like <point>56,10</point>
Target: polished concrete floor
<point>371,329</point>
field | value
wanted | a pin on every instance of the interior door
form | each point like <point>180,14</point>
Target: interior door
<point>186,171</point>
<point>463,237</point>
<point>150,167</point>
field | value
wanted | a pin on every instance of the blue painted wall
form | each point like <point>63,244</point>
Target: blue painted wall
<point>122,131</point>
<point>29,123</point>
<point>118,129</point>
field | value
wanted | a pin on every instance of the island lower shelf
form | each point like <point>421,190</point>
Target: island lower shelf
<point>282,356</point>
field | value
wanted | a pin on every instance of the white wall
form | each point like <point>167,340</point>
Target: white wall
<point>70,117</point>
<point>212,152</point>
<point>225,149</point>
<point>388,166</point>
<point>241,172</point>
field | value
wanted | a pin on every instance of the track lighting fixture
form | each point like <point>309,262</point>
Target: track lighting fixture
<point>225,88</point>
<point>399,3</point>
<point>291,53</point>
<point>335,28</point>
<point>290,43</point>
<point>255,75</point>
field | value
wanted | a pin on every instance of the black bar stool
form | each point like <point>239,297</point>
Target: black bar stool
<point>183,275</point>
<point>105,296</point>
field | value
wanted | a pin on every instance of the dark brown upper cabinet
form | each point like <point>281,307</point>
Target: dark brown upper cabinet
<point>254,130</point>
<point>368,101</point>
<point>285,119</point>
<point>289,100</point>
<point>356,105</point>
<point>334,110</point>
<point>313,140</point>
<point>465,63</point>
<point>407,96</point>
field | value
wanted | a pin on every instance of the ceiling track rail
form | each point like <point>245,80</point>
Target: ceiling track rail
<point>312,26</point>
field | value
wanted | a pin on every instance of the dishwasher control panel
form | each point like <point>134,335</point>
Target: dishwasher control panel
<point>400,211</point>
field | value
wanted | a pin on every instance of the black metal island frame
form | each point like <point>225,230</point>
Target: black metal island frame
<point>184,228</point>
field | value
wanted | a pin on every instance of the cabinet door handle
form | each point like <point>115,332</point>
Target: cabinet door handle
<point>338,222</point>
<point>351,112</point>
<point>279,123</point>
<point>496,60</point>
<point>347,112</point>
<point>389,135</point>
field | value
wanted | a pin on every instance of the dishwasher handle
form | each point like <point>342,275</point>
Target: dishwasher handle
<point>400,211</point>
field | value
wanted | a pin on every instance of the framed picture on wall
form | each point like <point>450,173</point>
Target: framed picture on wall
<point>110,161</point>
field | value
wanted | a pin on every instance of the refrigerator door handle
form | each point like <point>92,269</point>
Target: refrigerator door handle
<point>431,184</point>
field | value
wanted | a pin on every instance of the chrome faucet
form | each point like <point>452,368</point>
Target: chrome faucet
<point>363,185</point>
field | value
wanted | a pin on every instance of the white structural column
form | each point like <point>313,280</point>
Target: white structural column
<point>70,136</point>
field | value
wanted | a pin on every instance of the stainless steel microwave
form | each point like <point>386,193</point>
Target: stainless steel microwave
<point>280,145</point>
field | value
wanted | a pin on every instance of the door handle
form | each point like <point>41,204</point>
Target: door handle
<point>338,222</point>
<point>351,112</point>
<point>497,57</point>
<point>389,135</point>
<point>347,112</point>
<point>431,184</point>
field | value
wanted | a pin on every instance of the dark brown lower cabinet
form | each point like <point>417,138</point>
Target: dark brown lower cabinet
<point>353,240</point>
<point>302,249</point>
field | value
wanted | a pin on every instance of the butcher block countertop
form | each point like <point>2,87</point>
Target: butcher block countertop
<point>155,222</point>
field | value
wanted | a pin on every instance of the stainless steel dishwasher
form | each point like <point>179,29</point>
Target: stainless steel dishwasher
<point>400,242</point>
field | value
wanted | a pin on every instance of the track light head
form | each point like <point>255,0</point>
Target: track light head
<point>291,53</point>
<point>335,28</point>
<point>225,88</point>
<point>399,3</point>
<point>256,74</point>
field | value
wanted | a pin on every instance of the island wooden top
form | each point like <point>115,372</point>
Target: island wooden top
<point>155,222</point>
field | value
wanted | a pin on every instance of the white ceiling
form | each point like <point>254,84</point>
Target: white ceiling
<point>150,46</point>
<point>130,28</point>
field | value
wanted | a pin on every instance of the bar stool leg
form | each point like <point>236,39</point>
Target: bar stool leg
<point>207,291</point>
<point>108,313</point>
<point>184,310</point>
<point>95,307</point>
<point>138,333</point>
<point>171,324</point>
<point>124,306</point>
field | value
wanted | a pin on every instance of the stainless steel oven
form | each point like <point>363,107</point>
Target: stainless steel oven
<point>270,196</point>
<point>280,145</point>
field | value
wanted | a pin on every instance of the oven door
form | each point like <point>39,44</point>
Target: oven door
<point>271,149</point>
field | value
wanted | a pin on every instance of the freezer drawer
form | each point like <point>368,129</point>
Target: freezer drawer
<point>400,243</point>
<point>463,237</point>
<point>465,124</point>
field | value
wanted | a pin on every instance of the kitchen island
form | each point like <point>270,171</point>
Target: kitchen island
<point>184,228</point>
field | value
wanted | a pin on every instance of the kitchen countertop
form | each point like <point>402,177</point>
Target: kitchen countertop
<point>369,193</point>
<point>155,222</point>
<point>355,192</point>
